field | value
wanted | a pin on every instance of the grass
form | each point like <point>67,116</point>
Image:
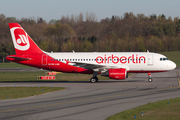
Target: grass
<point>20,75</point>
<point>13,65</point>
<point>32,76</point>
<point>174,56</point>
<point>152,111</point>
<point>19,92</point>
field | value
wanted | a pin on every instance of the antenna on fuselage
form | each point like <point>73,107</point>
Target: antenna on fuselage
<point>147,51</point>
<point>73,51</point>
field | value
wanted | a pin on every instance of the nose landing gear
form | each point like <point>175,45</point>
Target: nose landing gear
<point>149,77</point>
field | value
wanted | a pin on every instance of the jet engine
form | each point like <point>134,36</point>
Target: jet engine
<point>118,74</point>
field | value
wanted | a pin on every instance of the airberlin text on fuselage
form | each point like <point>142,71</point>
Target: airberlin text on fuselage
<point>123,59</point>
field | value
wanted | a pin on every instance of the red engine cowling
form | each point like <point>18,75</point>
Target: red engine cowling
<point>118,74</point>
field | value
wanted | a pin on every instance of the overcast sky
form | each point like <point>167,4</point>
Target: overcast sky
<point>54,9</point>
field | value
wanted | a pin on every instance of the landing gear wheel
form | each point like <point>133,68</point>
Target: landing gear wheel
<point>96,79</point>
<point>150,80</point>
<point>93,79</point>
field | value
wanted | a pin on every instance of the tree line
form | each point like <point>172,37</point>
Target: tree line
<point>84,33</point>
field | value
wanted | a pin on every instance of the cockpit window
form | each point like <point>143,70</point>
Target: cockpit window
<point>163,59</point>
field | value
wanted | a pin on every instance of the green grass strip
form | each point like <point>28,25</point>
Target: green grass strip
<point>26,76</point>
<point>20,92</point>
<point>160,110</point>
<point>13,65</point>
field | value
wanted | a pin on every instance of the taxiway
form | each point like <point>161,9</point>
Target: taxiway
<point>90,101</point>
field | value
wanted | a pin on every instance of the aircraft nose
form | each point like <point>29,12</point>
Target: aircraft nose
<point>173,65</point>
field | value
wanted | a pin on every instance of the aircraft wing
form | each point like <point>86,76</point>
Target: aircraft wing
<point>87,65</point>
<point>97,67</point>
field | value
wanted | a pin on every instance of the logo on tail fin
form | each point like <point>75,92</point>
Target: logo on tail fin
<point>20,38</point>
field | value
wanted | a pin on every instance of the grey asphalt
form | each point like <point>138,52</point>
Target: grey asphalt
<point>90,101</point>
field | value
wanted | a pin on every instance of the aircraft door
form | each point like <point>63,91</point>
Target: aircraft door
<point>150,59</point>
<point>44,59</point>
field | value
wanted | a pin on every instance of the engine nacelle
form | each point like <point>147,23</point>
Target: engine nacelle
<point>118,74</point>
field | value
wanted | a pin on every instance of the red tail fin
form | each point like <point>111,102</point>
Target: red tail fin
<point>22,41</point>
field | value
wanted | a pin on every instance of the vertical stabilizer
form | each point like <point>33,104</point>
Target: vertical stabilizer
<point>22,41</point>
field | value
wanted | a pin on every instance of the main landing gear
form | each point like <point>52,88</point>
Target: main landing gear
<point>94,78</point>
<point>149,77</point>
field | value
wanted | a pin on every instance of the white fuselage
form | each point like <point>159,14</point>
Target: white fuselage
<point>132,61</point>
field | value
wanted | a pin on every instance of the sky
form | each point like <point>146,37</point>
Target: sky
<point>54,9</point>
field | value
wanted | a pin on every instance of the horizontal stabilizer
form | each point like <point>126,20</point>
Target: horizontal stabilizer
<point>18,58</point>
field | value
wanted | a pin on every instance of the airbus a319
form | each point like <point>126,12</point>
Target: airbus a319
<point>115,65</point>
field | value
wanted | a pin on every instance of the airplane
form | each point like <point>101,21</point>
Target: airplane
<point>115,65</point>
